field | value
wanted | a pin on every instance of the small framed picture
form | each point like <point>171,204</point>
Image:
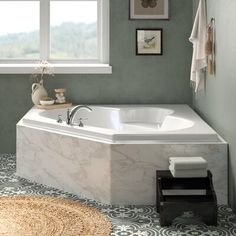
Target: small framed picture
<point>149,9</point>
<point>149,42</point>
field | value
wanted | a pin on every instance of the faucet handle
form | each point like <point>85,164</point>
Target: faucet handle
<point>81,124</point>
<point>59,119</point>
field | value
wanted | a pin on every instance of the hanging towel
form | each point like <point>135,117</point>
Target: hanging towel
<point>198,39</point>
<point>185,163</point>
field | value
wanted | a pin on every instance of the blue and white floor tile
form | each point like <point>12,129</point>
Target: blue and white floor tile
<point>132,220</point>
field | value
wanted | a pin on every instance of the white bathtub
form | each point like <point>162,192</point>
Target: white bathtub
<point>114,157</point>
<point>129,123</point>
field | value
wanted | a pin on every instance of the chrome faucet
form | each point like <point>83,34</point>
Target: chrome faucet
<point>71,114</point>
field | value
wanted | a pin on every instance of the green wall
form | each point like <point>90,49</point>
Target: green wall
<point>135,79</point>
<point>217,105</point>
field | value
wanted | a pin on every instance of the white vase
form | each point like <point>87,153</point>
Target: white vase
<point>38,92</point>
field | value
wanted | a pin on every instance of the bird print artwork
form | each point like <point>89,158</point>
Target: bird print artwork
<point>149,42</point>
<point>149,3</point>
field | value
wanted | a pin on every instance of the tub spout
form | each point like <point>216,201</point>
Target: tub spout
<point>71,114</point>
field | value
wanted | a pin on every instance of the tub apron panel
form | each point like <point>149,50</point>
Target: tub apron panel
<point>110,173</point>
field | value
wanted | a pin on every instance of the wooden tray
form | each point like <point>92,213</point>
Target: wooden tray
<point>54,106</point>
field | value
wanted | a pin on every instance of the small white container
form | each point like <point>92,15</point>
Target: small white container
<point>47,103</point>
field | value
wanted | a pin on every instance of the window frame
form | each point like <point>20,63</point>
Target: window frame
<point>66,66</point>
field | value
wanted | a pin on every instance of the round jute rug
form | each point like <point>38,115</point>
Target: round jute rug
<point>47,216</point>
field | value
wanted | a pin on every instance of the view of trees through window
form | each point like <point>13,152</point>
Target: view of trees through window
<point>69,40</point>
<point>74,41</point>
<point>20,46</point>
<point>19,29</point>
<point>73,30</point>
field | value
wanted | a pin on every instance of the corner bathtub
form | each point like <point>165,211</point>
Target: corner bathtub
<point>114,157</point>
<point>123,124</point>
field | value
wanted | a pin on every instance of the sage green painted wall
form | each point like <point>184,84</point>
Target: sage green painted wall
<point>218,104</point>
<point>135,79</point>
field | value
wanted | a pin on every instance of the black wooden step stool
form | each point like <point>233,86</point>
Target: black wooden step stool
<point>172,206</point>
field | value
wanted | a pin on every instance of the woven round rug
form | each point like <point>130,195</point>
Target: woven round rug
<point>47,216</point>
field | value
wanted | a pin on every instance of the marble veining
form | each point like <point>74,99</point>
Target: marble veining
<point>134,168</point>
<point>121,174</point>
<point>64,162</point>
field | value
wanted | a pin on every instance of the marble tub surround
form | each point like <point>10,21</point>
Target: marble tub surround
<point>65,162</point>
<point>110,173</point>
<point>134,168</point>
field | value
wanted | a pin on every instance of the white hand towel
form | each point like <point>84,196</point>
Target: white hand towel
<point>198,39</point>
<point>188,173</point>
<point>185,163</point>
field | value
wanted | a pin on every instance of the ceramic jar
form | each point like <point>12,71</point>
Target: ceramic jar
<point>38,92</point>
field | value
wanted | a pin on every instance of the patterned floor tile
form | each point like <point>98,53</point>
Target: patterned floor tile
<point>127,221</point>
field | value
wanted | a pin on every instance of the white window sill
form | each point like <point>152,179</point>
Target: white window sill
<point>58,68</point>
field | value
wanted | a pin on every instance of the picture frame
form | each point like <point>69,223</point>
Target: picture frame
<point>149,9</point>
<point>149,42</point>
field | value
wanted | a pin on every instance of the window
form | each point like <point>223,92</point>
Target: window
<point>73,35</point>
<point>73,30</point>
<point>19,30</point>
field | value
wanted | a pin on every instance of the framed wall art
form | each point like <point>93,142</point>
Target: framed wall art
<point>149,42</point>
<point>149,9</point>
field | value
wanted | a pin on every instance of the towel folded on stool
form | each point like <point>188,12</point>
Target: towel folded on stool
<point>187,163</point>
<point>188,173</point>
